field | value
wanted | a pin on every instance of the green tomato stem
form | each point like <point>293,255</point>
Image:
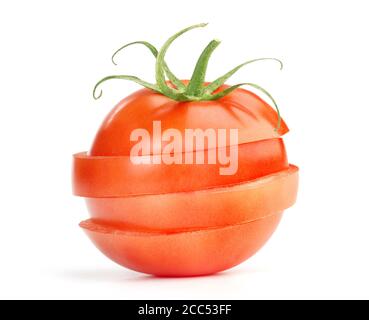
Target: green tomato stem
<point>195,90</point>
<point>195,87</point>
<point>160,77</point>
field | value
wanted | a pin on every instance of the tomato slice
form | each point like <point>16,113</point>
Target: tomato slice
<point>214,207</point>
<point>98,176</point>
<point>190,253</point>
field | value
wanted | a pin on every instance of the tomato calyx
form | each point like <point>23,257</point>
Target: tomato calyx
<point>196,89</point>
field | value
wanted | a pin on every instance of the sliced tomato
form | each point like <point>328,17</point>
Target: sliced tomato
<point>117,176</point>
<point>190,253</point>
<point>232,204</point>
<point>243,110</point>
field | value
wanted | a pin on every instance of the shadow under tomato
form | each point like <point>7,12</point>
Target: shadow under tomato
<point>121,275</point>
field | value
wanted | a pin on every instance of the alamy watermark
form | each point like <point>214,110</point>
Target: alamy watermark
<point>194,146</point>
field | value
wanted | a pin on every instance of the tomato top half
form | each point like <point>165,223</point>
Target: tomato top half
<point>254,119</point>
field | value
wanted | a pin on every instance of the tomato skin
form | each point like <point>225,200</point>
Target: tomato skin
<point>119,177</point>
<point>216,207</point>
<point>191,253</point>
<point>242,110</point>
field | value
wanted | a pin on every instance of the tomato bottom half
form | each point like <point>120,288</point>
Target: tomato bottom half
<point>187,253</point>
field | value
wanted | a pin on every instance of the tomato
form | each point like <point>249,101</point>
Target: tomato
<point>215,207</point>
<point>117,176</point>
<point>185,218</point>
<point>190,253</point>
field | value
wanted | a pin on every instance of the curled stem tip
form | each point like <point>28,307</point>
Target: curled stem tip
<point>178,83</point>
<point>148,45</point>
<point>97,97</point>
<point>221,80</point>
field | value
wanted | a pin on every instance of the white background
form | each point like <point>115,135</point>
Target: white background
<point>53,52</point>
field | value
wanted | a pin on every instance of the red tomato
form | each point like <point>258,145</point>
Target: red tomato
<point>185,219</point>
<point>182,220</point>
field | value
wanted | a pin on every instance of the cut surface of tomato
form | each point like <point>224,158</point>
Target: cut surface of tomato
<point>232,204</point>
<point>191,253</point>
<point>117,176</point>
